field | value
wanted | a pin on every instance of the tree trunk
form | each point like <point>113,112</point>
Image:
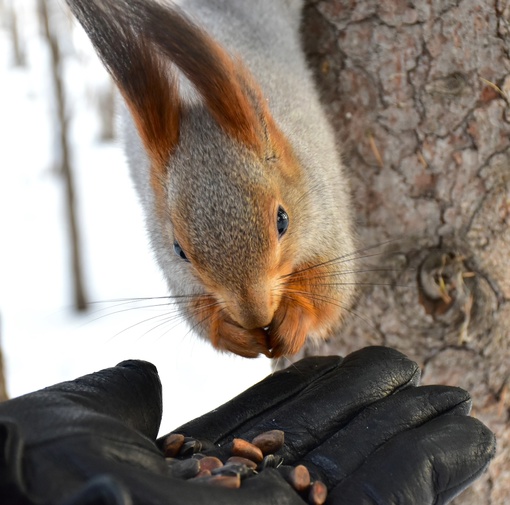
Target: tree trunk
<point>80,298</point>
<point>18,50</point>
<point>106,111</point>
<point>419,95</point>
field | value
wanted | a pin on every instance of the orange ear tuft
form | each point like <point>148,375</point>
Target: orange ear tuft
<point>204,62</point>
<point>220,82</point>
<point>136,67</point>
<point>133,37</point>
<point>153,99</point>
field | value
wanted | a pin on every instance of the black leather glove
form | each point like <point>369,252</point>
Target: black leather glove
<point>359,424</point>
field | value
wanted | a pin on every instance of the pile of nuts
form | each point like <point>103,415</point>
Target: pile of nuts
<point>186,461</point>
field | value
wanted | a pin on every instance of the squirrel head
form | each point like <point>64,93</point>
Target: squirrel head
<point>231,215</point>
<point>229,196</point>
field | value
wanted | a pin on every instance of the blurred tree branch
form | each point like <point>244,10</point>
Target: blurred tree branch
<point>19,57</point>
<point>50,33</point>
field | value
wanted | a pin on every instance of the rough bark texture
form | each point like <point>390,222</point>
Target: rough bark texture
<point>418,92</point>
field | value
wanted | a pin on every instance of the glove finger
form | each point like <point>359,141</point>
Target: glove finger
<point>132,487</point>
<point>345,451</point>
<point>129,392</point>
<point>330,401</point>
<point>311,411</point>
<point>12,485</point>
<point>74,430</point>
<point>264,396</point>
<point>428,465</point>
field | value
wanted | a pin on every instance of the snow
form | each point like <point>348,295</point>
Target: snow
<point>43,340</point>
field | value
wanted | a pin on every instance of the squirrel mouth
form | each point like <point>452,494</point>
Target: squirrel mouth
<point>248,342</point>
<point>267,332</point>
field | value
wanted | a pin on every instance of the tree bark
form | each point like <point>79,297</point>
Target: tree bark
<point>419,95</point>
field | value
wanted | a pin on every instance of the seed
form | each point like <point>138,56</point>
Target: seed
<point>246,459</point>
<point>202,474</point>
<point>172,444</point>
<point>318,493</point>
<point>299,478</point>
<point>235,469</point>
<point>271,461</point>
<point>238,460</point>
<point>190,447</point>
<point>210,463</point>
<point>269,441</point>
<point>230,481</point>
<point>244,449</point>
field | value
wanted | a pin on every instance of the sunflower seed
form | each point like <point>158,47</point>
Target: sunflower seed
<point>235,469</point>
<point>190,447</point>
<point>271,461</point>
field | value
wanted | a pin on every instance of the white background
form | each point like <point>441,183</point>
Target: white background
<point>43,340</point>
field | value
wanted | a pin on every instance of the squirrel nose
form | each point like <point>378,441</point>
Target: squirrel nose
<point>253,309</point>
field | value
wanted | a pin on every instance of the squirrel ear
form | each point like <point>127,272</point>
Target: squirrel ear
<point>227,88</point>
<point>219,80</point>
<point>148,87</point>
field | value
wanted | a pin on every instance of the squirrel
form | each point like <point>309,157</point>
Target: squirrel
<point>244,193</point>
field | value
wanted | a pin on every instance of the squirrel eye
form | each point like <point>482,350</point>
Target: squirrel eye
<point>282,221</point>
<point>179,251</point>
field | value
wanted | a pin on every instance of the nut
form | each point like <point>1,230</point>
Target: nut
<point>244,449</point>
<point>299,478</point>
<point>172,444</point>
<point>270,441</point>
<point>318,493</point>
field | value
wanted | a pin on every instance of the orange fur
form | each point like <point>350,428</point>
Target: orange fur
<point>225,97</point>
<point>231,337</point>
<point>156,112</point>
<point>224,334</point>
<point>209,68</point>
<point>304,308</point>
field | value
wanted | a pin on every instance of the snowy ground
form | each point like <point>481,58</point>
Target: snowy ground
<point>43,341</point>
